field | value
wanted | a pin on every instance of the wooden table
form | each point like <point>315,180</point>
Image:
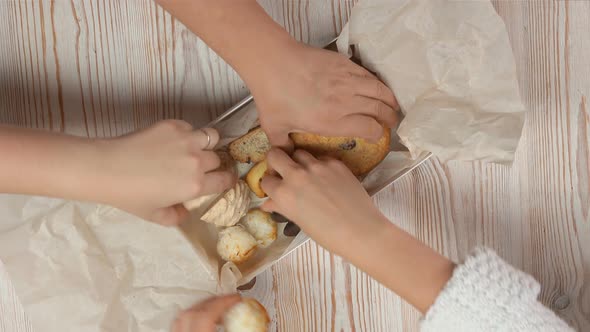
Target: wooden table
<point>104,68</point>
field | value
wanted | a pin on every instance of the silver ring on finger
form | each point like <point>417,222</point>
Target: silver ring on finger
<point>208,138</point>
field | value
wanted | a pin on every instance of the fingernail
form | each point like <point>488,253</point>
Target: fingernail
<point>247,286</point>
<point>291,229</point>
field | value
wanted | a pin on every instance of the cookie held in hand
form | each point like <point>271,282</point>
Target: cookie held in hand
<point>254,178</point>
<point>247,316</point>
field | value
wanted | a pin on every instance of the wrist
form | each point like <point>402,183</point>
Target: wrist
<point>43,163</point>
<point>405,265</point>
<point>264,60</point>
<point>363,236</point>
<point>81,176</point>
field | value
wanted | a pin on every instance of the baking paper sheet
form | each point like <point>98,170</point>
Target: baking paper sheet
<point>84,267</point>
<point>452,70</point>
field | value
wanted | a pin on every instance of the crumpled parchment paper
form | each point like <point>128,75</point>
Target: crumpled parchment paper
<point>452,70</point>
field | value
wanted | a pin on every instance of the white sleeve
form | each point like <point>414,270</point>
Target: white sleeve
<point>487,294</point>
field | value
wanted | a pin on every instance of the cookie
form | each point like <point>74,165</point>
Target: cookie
<point>254,178</point>
<point>250,148</point>
<point>359,155</point>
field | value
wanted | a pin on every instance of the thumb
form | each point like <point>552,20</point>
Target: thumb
<point>268,206</point>
<point>204,316</point>
<point>363,126</point>
<point>216,307</point>
<point>170,216</point>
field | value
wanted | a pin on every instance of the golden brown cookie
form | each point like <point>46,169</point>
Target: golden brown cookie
<point>250,148</point>
<point>357,154</point>
<point>254,178</point>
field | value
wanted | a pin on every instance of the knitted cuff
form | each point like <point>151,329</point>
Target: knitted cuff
<point>487,294</point>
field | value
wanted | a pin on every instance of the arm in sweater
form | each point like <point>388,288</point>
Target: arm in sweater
<point>487,294</point>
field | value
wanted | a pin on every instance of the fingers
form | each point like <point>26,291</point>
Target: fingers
<point>279,161</point>
<point>359,71</point>
<point>280,138</point>
<point>375,108</point>
<point>217,182</point>
<point>216,307</point>
<point>205,315</point>
<point>270,184</point>
<point>209,160</point>
<point>181,124</point>
<point>304,158</point>
<point>206,138</point>
<point>374,88</point>
<point>269,206</point>
<point>362,126</point>
<point>170,216</point>
<point>328,159</point>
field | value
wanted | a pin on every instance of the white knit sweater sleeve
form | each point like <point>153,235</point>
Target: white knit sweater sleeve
<point>487,294</point>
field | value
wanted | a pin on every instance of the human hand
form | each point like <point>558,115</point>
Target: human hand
<point>151,172</point>
<point>322,92</point>
<point>204,316</point>
<point>323,197</point>
<point>331,206</point>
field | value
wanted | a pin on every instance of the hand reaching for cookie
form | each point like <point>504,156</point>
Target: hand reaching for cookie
<point>148,173</point>
<point>323,197</point>
<point>331,206</point>
<point>204,316</point>
<point>296,87</point>
<point>321,92</point>
<point>161,167</point>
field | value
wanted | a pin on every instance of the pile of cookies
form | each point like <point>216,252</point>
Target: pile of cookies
<point>246,230</point>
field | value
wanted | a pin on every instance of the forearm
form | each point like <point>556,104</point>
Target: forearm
<point>35,162</point>
<point>403,264</point>
<point>239,31</point>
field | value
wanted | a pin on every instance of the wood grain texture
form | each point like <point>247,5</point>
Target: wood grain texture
<point>104,68</point>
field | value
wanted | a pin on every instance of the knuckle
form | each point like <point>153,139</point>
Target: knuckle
<point>374,129</point>
<point>169,125</point>
<point>377,109</point>
<point>379,89</point>
<point>382,110</point>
